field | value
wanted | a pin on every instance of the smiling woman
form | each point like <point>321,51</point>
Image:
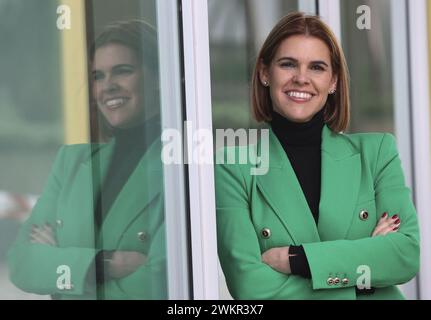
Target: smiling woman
<point>305,63</point>
<point>298,81</point>
<point>117,85</point>
<point>124,76</point>
<point>330,203</point>
<point>101,214</point>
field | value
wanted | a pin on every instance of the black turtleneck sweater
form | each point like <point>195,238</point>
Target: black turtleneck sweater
<point>302,144</point>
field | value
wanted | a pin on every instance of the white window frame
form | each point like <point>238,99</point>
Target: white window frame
<point>420,96</point>
<point>177,246</point>
<point>329,10</point>
<point>307,6</point>
<point>201,176</point>
<point>402,103</point>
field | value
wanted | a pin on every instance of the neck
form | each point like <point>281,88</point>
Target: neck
<point>298,134</point>
<point>136,135</point>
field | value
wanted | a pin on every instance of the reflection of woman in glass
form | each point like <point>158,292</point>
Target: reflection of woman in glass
<point>97,231</point>
<point>332,217</point>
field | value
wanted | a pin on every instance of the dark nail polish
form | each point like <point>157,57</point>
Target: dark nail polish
<point>384,215</point>
<point>397,221</point>
<point>396,228</point>
<point>394,217</point>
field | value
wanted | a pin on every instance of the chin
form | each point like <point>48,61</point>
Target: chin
<point>116,123</point>
<point>297,117</point>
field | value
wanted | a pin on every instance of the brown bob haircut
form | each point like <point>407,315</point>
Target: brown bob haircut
<point>141,38</point>
<point>337,107</point>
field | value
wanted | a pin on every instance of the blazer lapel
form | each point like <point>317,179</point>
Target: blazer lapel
<point>281,189</point>
<point>144,184</point>
<point>98,162</point>
<point>341,173</point>
<point>79,215</point>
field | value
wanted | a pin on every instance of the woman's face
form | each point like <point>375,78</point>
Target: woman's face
<point>117,85</point>
<point>299,77</point>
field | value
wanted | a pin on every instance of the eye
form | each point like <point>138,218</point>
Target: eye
<point>123,70</point>
<point>317,67</point>
<point>287,64</point>
<point>97,75</point>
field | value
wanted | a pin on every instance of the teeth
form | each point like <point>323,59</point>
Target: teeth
<point>300,95</point>
<point>115,103</point>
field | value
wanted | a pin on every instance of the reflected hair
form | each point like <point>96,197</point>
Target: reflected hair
<point>141,38</point>
<point>135,34</point>
<point>337,107</point>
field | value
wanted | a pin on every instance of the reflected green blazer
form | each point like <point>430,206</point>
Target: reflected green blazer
<point>135,222</point>
<point>360,172</point>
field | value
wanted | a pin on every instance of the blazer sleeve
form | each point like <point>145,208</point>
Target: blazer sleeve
<point>391,259</point>
<point>33,267</point>
<point>247,277</point>
<point>149,282</point>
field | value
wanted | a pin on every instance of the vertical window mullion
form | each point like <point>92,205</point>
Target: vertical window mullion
<point>176,218</point>
<point>421,133</point>
<point>402,101</point>
<point>201,176</point>
<point>329,10</point>
<point>308,6</point>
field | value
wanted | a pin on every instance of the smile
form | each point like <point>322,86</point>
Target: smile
<point>115,103</point>
<point>299,96</point>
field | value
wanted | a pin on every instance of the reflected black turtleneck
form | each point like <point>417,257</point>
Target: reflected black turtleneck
<point>130,145</point>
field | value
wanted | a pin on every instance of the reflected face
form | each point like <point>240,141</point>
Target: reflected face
<point>117,85</point>
<point>299,77</point>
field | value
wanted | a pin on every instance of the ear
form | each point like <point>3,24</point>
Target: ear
<point>263,72</point>
<point>334,82</point>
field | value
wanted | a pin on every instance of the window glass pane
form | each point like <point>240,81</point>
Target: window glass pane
<point>237,30</point>
<point>368,53</point>
<point>82,185</point>
<point>31,128</point>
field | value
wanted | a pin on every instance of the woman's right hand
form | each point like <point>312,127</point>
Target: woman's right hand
<point>123,263</point>
<point>386,225</point>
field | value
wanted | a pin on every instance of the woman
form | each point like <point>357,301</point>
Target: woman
<point>332,217</point>
<point>97,231</point>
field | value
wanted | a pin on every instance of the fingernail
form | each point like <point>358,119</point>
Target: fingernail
<point>397,221</point>
<point>396,228</point>
<point>394,217</point>
<point>384,215</point>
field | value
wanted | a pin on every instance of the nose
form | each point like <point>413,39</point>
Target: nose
<point>300,77</point>
<point>110,85</point>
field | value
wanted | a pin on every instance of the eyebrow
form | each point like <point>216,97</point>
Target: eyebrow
<point>123,65</point>
<point>118,66</point>
<point>295,60</point>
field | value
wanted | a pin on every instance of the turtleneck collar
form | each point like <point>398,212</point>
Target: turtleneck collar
<point>139,135</point>
<point>298,134</point>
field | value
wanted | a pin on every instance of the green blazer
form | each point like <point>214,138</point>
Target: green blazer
<point>360,172</point>
<point>135,222</point>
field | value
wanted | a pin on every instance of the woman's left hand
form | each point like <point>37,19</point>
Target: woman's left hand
<point>43,235</point>
<point>278,259</point>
